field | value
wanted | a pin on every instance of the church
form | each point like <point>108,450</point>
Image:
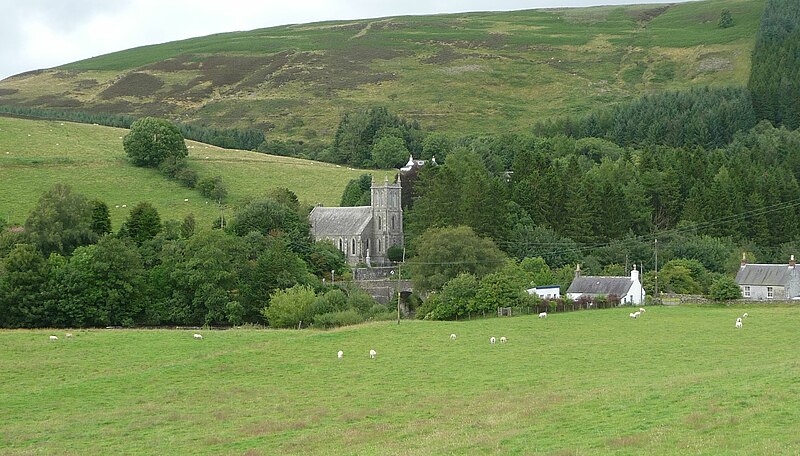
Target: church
<point>363,233</point>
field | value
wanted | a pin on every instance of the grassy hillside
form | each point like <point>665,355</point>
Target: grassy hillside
<point>479,72</point>
<point>676,381</point>
<point>34,155</point>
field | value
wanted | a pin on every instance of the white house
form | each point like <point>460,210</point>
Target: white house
<point>769,281</point>
<point>629,289</point>
<point>546,291</point>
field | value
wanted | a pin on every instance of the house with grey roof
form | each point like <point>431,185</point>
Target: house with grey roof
<point>769,281</point>
<point>364,233</point>
<point>629,289</point>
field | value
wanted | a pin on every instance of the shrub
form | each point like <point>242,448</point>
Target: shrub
<point>289,307</point>
<point>341,318</point>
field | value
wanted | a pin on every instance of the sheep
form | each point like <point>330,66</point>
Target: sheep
<point>641,309</point>
<point>739,320</point>
<point>68,336</point>
<point>503,340</point>
<point>186,200</point>
<point>738,323</point>
<point>543,315</point>
<point>124,205</point>
<point>198,336</point>
<point>452,337</point>
<point>373,354</point>
<point>53,338</point>
<point>340,354</point>
<point>636,314</point>
<point>745,315</point>
<point>492,340</point>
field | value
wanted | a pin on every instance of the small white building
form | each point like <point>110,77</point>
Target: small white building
<point>769,281</point>
<point>629,289</point>
<point>546,291</point>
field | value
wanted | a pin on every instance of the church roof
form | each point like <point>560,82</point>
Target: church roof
<point>600,285</point>
<point>764,274</point>
<point>340,221</point>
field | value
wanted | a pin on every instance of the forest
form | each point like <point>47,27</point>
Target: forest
<point>679,182</point>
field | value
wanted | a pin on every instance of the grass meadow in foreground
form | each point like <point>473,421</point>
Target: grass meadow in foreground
<point>680,380</point>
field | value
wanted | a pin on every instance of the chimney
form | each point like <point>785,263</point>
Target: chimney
<point>634,274</point>
<point>744,260</point>
<point>578,271</point>
<point>791,262</point>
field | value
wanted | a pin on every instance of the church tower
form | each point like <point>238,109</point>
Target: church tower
<point>387,219</point>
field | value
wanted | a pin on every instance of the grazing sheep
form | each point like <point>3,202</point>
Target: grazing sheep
<point>340,354</point>
<point>503,340</point>
<point>636,314</point>
<point>739,320</point>
<point>186,200</point>
<point>543,315</point>
<point>373,354</point>
<point>68,335</point>
<point>641,309</point>
<point>738,323</point>
<point>492,340</point>
<point>198,336</point>
<point>745,315</point>
<point>452,337</point>
<point>124,205</point>
<point>53,338</point>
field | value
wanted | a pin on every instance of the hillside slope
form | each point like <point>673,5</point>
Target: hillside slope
<point>35,155</point>
<point>477,72</point>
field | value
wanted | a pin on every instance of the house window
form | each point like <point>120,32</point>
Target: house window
<point>353,246</point>
<point>341,245</point>
<point>747,291</point>
<point>770,294</point>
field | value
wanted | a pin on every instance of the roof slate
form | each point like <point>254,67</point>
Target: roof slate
<point>340,221</point>
<point>763,274</point>
<point>600,285</point>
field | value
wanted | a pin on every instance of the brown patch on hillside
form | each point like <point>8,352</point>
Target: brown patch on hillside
<point>114,107</point>
<point>24,75</point>
<point>223,70</point>
<point>56,101</point>
<point>4,92</point>
<point>274,64</point>
<point>86,84</point>
<point>182,62</point>
<point>647,15</point>
<point>444,56</point>
<point>627,441</point>
<point>336,69</point>
<point>133,85</point>
<point>388,26</point>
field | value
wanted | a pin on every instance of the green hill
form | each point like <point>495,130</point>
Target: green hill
<point>34,155</point>
<point>459,73</point>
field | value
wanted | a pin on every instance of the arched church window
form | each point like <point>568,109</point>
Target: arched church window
<point>353,246</point>
<point>393,222</point>
<point>379,222</point>
<point>341,246</point>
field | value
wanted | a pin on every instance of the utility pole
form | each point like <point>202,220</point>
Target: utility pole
<point>656,248</point>
<point>398,285</point>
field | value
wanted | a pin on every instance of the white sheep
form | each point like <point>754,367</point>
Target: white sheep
<point>738,323</point>
<point>373,354</point>
<point>636,314</point>
<point>452,337</point>
<point>492,340</point>
<point>641,309</point>
<point>503,340</point>
<point>68,335</point>
<point>198,336</point>
<point>186,200</point>
<point>340,354</point>
<point>739,320</point>
<point>543,315</point>
<point>745,315</point>
<point>53,338</point>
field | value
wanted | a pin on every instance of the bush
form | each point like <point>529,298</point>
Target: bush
<point>395,253</point>
<point>725,288</point>
<point>289,307</point>
<point>341,318</point>
<point>187,177</point>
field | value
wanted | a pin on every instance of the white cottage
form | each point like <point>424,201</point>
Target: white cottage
<point>769,281</point>
<point>629,289</point>
<point>546,291</point>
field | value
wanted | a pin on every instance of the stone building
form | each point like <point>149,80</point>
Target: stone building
<point>363,233</point>
<point>629,289</point>
<point>769,281</point>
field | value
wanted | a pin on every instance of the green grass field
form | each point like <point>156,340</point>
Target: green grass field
<point>458,73</point>
<point>35,155</point>
<point>680,380</point>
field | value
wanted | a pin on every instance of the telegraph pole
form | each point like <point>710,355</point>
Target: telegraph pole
<point>656,248</point>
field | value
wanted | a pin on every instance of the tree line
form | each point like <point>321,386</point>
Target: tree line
<point>66,268</point>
